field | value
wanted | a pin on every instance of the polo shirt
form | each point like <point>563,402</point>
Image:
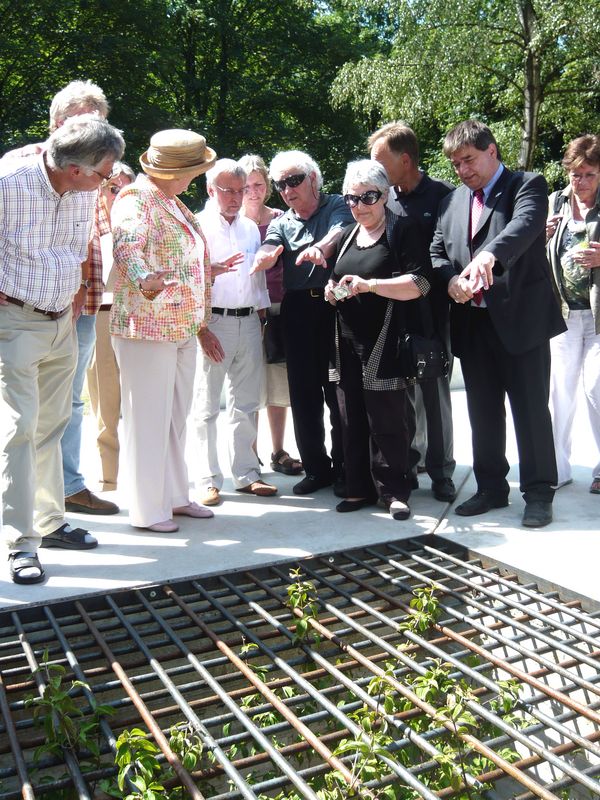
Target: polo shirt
<point>296,234</point>
<point>421,205</point>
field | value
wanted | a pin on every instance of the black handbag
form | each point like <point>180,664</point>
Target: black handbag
<point>273,339</point>
<point>422,358</point>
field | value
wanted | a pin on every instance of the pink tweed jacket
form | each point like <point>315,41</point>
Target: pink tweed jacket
<point>148,237</point>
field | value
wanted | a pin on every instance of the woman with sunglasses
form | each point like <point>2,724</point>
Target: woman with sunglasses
<point>381,266</point>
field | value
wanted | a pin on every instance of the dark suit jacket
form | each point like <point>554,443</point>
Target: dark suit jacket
<point>521,302</point>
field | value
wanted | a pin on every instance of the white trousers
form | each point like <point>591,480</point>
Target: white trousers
<point>37,362</point>
<point>157,383</point>
<point>574,353</point>
<point>241,371</point>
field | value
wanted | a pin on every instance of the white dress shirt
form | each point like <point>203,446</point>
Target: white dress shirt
<point>236,289</point>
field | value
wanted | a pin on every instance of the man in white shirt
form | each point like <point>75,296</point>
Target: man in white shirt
<point>237,296</point>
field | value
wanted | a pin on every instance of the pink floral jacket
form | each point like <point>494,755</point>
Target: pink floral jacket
<point>148,237</point>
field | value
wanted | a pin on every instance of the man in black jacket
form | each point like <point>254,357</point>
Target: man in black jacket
<point>489,251</point>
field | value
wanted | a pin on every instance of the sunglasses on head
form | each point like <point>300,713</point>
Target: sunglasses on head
<point>292,181</point>
<point>366,198</point>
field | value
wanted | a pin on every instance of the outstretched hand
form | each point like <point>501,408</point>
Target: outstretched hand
<point>227,265</point>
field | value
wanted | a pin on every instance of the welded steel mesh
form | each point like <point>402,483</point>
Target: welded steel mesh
<point>397,671</point>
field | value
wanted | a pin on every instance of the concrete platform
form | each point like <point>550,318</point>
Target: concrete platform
<point>249,531</point>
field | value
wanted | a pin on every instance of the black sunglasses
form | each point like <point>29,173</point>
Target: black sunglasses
<point>367,198</point>
<point>292,181</point>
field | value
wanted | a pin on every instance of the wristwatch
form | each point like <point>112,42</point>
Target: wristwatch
<point>86,282</point>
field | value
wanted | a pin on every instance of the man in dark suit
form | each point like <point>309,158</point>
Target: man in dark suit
<point>489,251</point>
<point>418,196</point>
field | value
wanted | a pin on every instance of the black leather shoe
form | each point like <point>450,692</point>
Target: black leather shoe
<point>312,483</point>
<point>537,514</point>
<point>355,505</point>
<point>444,490</point>
<point>480,503</point>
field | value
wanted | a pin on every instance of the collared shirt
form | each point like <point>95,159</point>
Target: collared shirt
<point>487,189</point>
<point>43,235</point>
<point>94,297</point>
<point>421,204</point>
<point>236,289</point>
<point>297,234</point>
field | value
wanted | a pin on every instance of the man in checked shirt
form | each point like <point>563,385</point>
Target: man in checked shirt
<point>76,98</point>
<point>46,214</point>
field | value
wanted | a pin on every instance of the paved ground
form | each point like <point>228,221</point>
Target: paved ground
<point>248,530</point>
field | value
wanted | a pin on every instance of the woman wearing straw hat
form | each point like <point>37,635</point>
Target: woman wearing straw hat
<point>161,299</point>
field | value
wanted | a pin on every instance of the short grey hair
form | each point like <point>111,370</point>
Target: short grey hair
<point>121,168</point>
<point>225,166</point>
<point>85,141</point>
<point>76,97</point>
<point>294,159</point>
<point>253,163</point>
<point>366,171</point>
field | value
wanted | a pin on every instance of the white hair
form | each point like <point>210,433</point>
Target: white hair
<point>76,97</point>
<point>366,171</point>
<point>294,159</point>
<point>225,166</point>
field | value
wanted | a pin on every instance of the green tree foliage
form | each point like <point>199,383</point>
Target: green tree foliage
<point>528,68</point>
<point>252,75</point>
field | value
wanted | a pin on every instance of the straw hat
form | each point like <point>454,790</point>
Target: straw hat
<point>176,153</point>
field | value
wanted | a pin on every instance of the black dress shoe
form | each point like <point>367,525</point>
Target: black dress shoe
<point>444,490</point>
<point>537,514</point>
<point>354,505</point>
<point>480,503</point>
<point>312,483</point>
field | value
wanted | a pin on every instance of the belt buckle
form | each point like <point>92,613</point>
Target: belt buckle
<point>314,293</point>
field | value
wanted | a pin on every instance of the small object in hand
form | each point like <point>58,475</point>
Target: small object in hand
<point>342,291</point>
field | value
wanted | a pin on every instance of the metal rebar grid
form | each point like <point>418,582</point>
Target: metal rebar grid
<point>399,671</point>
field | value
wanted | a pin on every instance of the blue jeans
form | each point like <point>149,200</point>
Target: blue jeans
<point>71,440</point>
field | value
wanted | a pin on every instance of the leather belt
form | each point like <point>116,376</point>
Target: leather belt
<point>233,312</point>
<point>316,292</point>
<point>22,304</point>
<point>105,307</point>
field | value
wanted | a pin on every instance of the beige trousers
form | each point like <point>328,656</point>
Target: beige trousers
<point>105,397</point>
<point>37,363</point>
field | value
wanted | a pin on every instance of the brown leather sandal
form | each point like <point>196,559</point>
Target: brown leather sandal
<point>281,461</point>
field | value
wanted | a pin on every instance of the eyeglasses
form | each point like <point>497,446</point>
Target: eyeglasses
<point>231,192</point>
<point>588,176</point>
<point>292,181</point>
<point>89,170</point>
<point>366,198</point>
<point>114,189</point>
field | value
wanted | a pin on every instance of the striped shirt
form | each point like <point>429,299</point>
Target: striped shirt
<point>43,235</point>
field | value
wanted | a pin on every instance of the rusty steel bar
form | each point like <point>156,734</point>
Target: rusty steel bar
<point>70,760</point>
<point>475,708</point>
<point>27,792</point>
<point>183,775</point>
<point>527,653</point>
<point>330,707</point>
<point>254,731</point>
<point>427,708</point>
<point>430,647</point>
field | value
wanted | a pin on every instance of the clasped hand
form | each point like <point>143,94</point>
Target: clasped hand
<point>476,276</point>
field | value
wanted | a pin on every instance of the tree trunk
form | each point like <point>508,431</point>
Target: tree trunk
<point>532,90</point>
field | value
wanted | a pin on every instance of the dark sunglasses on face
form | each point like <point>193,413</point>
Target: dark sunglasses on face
<point>114,189</point>
<point>366,198</point>
<point>292,181</point>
